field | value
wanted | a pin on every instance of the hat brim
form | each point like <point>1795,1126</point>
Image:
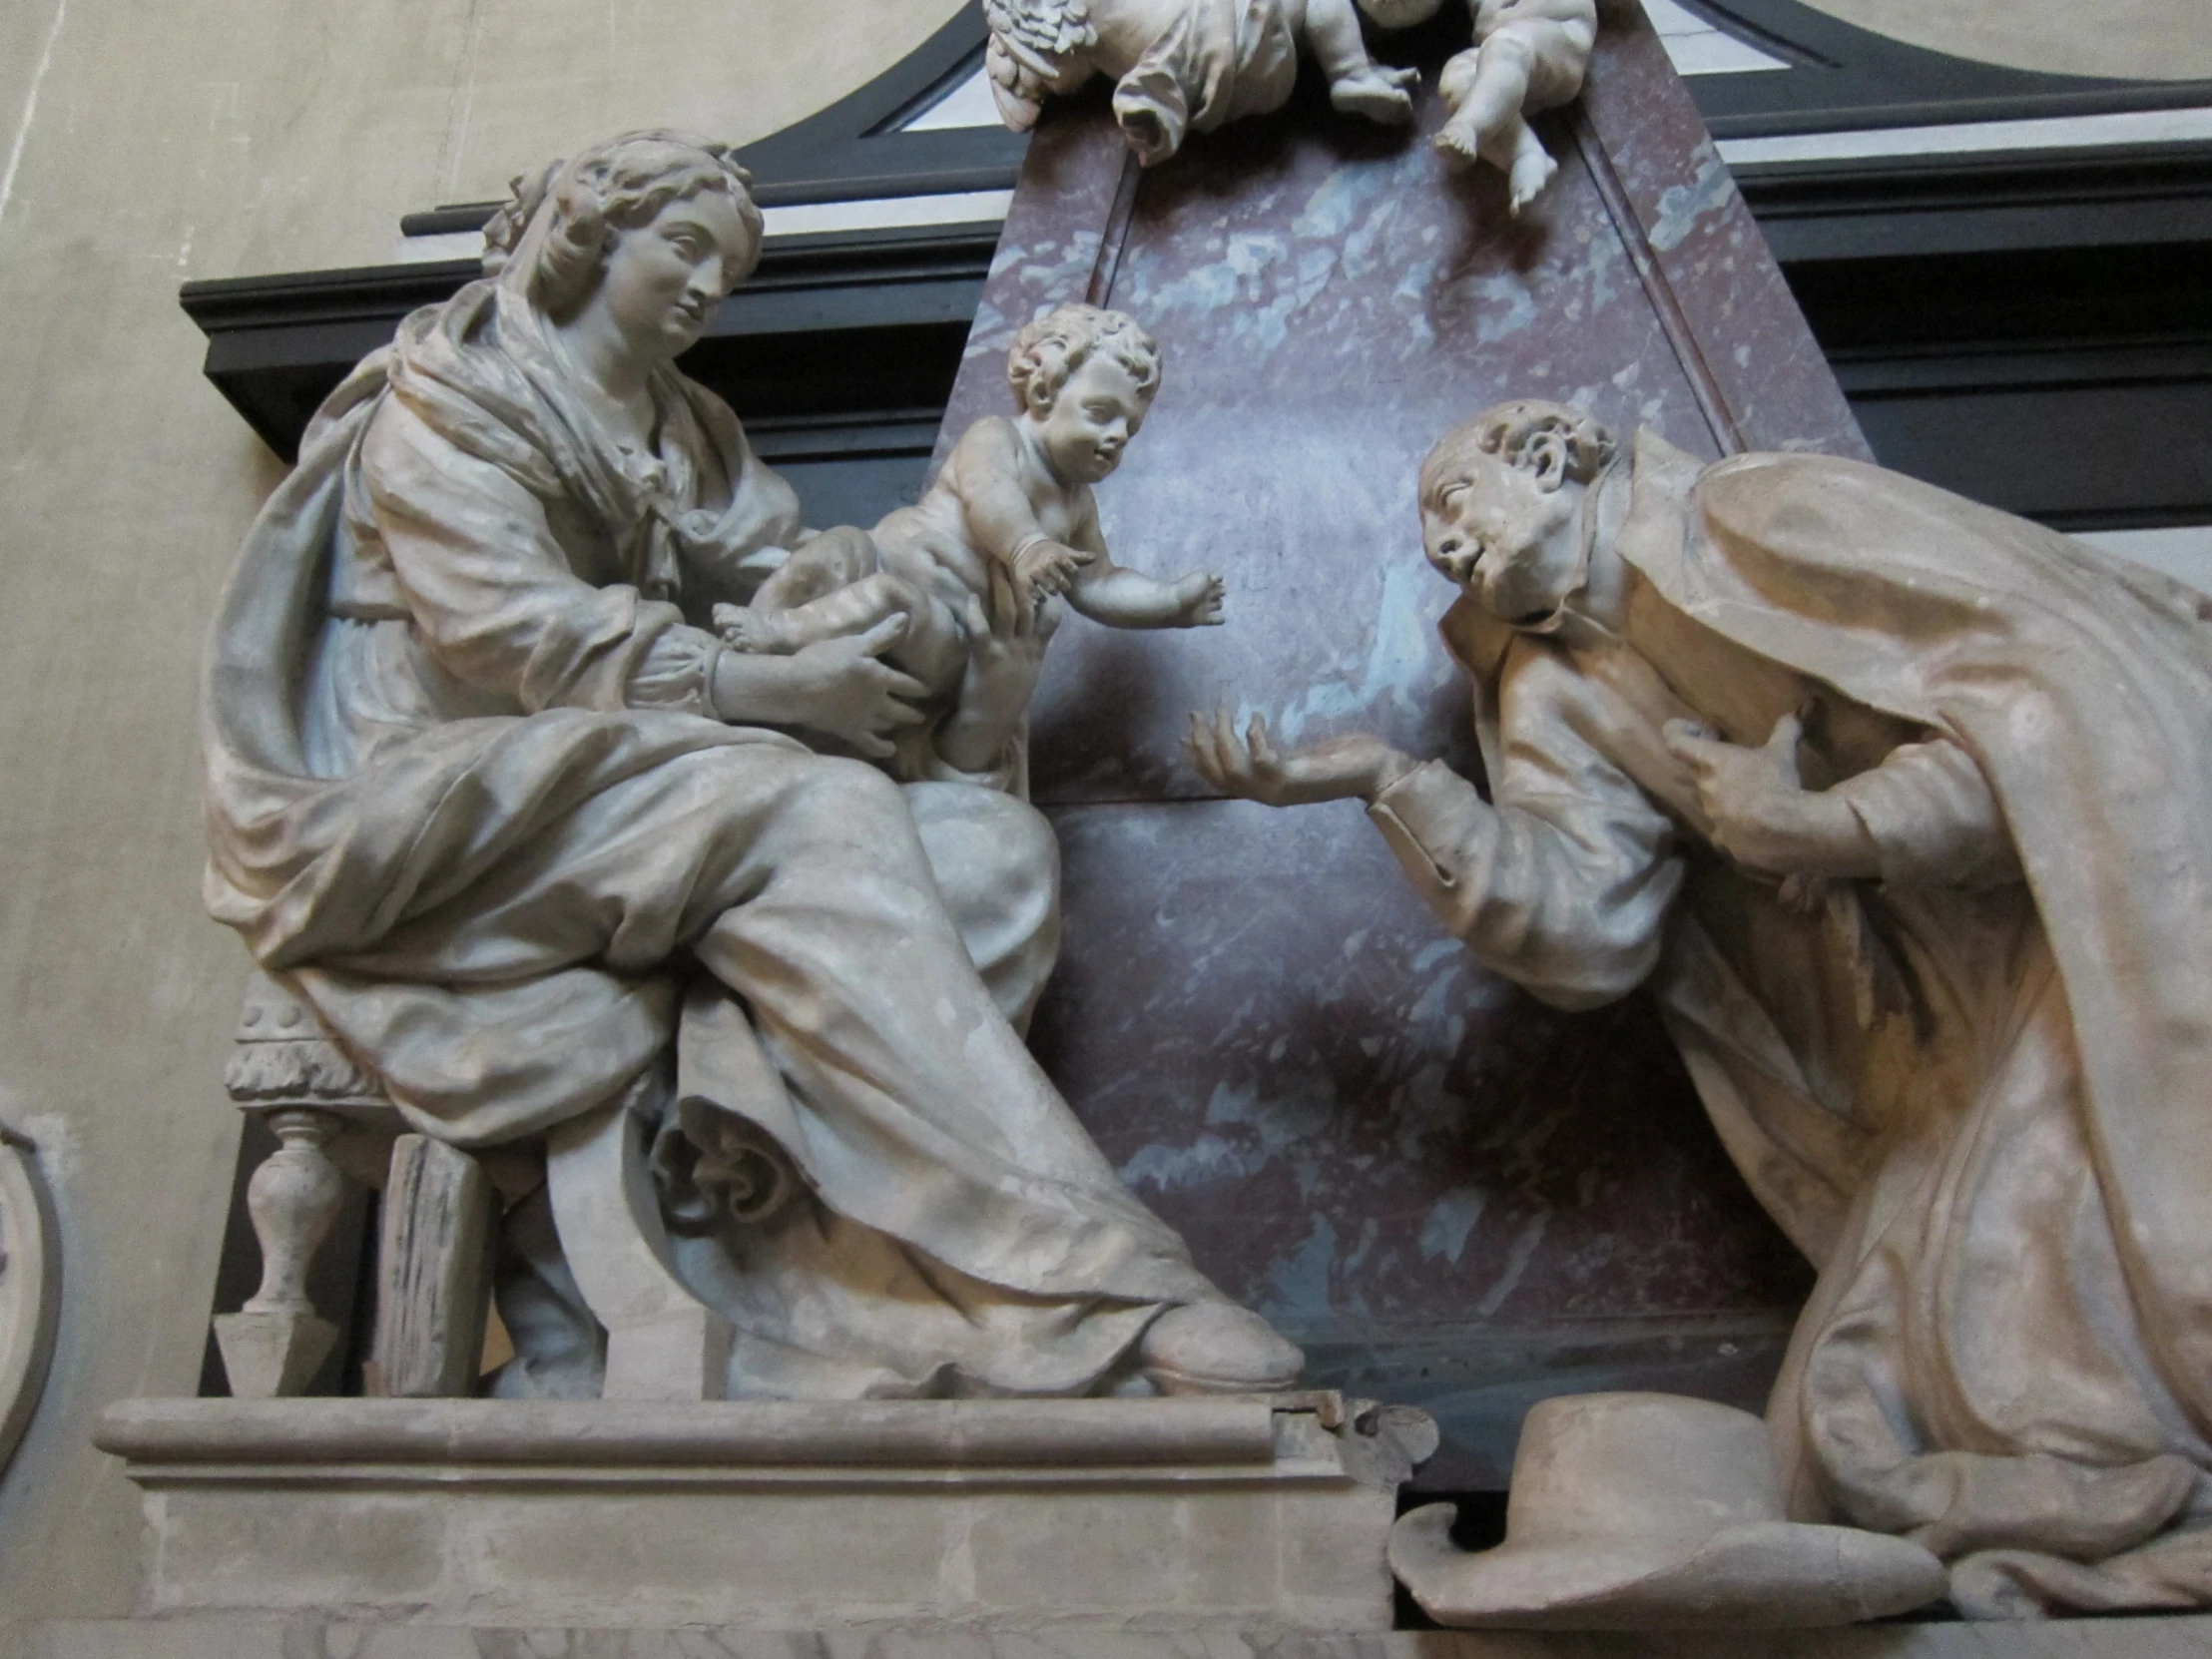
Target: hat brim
<point>1775,1575</point>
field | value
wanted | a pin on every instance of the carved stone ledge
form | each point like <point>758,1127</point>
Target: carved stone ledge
<point>1160,1515</point>
<point>2169,1638</point>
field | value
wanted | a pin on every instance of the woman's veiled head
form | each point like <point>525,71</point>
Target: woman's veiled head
<point>657,225</point>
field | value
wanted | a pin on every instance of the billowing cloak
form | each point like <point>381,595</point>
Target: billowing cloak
<point>2079,685</point>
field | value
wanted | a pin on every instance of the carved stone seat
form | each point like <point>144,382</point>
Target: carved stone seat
<point>333,1121</point>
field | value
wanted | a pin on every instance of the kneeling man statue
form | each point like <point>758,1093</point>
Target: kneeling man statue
<point>1903,808</point>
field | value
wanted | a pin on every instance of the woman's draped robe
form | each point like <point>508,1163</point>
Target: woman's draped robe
<point>466,794</point>
<point>1975,1093</point>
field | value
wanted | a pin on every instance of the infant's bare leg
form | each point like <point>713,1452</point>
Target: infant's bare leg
<point>1486,87</point>
<point>852,609</point>
<point>1529,168</point>
<point>1358,85</point>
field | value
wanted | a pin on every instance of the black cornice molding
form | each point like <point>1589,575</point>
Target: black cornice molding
<point>2012,202</point>
<point>1844,78</point>
<point>277,345</point>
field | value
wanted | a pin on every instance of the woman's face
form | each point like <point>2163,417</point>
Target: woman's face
<point>664,279</point>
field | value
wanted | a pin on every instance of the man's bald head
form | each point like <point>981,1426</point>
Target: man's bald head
<point>1532,434</point>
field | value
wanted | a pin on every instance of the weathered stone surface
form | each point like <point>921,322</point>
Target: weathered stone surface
<point>1159,1514</point>
<point>212,1638</point>
<point>432,1284</point>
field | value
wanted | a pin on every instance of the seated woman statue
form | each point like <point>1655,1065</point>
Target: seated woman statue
<point>536,844</point>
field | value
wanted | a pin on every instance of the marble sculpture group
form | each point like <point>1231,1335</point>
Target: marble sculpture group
<point>541,733</point>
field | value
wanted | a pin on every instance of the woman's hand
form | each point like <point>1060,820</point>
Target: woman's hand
<point>835,686</point>
<point>1252,769</point>
<point>1762,816</point>
<point>1005,656</point>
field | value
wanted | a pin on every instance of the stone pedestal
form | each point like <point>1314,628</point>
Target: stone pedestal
<point>1160,1516</point>
<point>209,1638</point>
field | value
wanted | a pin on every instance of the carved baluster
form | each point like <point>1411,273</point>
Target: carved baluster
<point>276,1341</point>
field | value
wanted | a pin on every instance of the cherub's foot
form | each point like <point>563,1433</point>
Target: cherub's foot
<point>1460,145</point>
<point>1379,94</point>
<point>757,633</point>
<point>1531,169</point>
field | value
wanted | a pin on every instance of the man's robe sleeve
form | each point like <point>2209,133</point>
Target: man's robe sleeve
<point>1933,819</point>
<point>1563,885</point>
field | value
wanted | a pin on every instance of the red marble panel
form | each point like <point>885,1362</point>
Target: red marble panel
<point>1448,1192</point>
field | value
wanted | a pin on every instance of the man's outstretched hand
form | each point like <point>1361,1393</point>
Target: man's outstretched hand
<point>1251,767</point>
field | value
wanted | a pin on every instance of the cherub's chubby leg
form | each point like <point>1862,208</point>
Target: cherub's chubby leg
<point>1486,86</point>
<point>1358,85</point>
<point>1530,169</point>
<point>852,609</point>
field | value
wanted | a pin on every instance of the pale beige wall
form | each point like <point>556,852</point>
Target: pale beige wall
<point>2129,39</point>
<point>212,138</point>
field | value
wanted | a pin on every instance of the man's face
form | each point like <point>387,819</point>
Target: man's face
<point>1510,537</point>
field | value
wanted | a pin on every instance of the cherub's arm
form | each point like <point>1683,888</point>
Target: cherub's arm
<point>984,473</point>
<point>1122,597</point>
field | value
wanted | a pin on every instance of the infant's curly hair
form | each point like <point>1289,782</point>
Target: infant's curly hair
<point>1519,432</point>
<point>611,187</point>
<point>1058,343</point>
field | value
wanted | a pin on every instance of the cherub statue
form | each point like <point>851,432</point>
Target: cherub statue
<point>1008,524</point>
<point>1528,55</point>
<point>1186,64</point>
<point>1191,65</point>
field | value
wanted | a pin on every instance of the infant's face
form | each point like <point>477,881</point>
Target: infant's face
<point>1092,420</point>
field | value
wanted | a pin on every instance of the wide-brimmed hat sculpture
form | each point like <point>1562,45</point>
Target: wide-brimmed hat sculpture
<point>1653,1511</point>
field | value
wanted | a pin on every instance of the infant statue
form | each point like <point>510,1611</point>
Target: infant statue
<point>1528,55</point>
<point>1187,65</point>
<point>1007,528</point>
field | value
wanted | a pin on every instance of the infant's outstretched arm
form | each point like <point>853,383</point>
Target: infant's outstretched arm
<point>1122,597</point>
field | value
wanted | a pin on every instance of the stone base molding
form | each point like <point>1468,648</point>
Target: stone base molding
<point>214,1638</point>
<point>1166,1515</point>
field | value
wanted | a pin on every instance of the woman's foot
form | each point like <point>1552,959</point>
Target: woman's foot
<point>1217,1348</point>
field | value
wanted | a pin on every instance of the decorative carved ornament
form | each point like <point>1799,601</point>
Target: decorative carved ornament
<point>30,1286</point>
